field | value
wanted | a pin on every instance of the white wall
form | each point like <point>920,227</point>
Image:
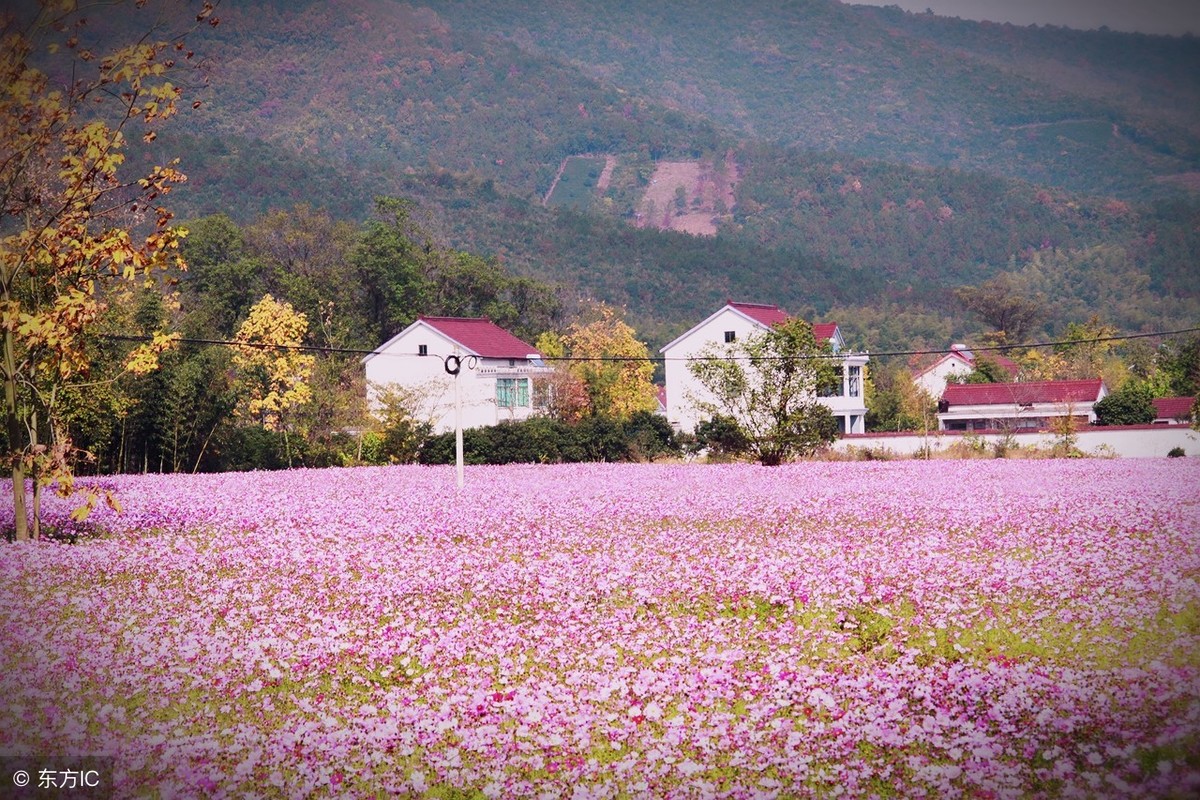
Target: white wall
<point>1015,414</point>
<point>1127,441</point>
<point>684,390</point>
<point>851,408</point>
<point>934,381</point>
<point>399,364</point>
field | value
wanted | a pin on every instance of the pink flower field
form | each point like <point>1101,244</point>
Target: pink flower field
<point>903,629</point>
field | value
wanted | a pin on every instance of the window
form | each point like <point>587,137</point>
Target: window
<point>422,349</point>
<point>730,336</point>
<point>854,382</point>
<point>512,392</point>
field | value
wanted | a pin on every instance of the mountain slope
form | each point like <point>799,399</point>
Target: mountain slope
<point>884,158</point>
<point>509,89</point>
<point>893,86</point>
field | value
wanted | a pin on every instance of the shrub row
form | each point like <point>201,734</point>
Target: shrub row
<point>542,440</point>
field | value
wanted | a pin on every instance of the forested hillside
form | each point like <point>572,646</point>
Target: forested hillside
<point>508,89</point>
<point>885,158</point>
<point>888,85</point>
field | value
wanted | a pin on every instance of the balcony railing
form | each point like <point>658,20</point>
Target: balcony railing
<point>519,369</point>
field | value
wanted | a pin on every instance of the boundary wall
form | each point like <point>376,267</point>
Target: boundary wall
<point>1125,441</point>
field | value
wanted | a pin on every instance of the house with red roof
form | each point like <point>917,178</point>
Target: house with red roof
<point>1173,410</point>
<point>1031,405</point>
<point>734,322</point>
<point>495,371</point>
<point>959,361</point>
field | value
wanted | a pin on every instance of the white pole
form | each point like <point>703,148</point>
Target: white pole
<point>458,436</point>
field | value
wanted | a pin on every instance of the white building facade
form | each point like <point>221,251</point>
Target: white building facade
<point>735,322</point>
<point>496,371</point>
<point>958,362</point>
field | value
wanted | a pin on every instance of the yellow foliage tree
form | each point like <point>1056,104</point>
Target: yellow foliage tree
<point>614,365</point>
<point>273,374</point>
<point>560,394</point>
<point>70,222</point>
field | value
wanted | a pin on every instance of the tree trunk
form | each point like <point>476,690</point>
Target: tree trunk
<point>13,426</point>
<point>35,474</point>
<point>121,459</point>
<point>204,446</point>
<point>770,458</point>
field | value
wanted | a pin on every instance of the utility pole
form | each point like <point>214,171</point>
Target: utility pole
<point>458,434</point>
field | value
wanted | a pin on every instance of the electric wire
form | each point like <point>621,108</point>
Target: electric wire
<point>660,359</point>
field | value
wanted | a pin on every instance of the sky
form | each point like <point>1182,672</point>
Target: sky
<point>1174,17</point>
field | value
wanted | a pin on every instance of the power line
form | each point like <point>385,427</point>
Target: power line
<point>254,345</point>
<point>618,359</point>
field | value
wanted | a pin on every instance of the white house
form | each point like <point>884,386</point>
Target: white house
<point>496,370</point>
<point>1018,406</point>
<point>958,361</point>
<point>734,322</point>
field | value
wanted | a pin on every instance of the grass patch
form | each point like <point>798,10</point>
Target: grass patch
<point>576,187</point>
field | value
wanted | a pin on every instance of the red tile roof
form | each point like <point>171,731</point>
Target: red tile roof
<point>759,312</point>
<point>1173,407</point>
<point>997,394</point>
<point>772,315</point>
<point>823,331</point>
<point>481,336</point>
<point>1006,363</point>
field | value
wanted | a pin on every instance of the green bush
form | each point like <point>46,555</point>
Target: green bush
<point>603,439</point>
<point>247,447</point>
<point>1132,404</point>
<point>651,436</point>
<point>722,436</point>
<point>1176,452</point>
<point>542,440</point>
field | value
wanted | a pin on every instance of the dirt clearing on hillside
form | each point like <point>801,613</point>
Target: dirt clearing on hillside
<point>689,196</point>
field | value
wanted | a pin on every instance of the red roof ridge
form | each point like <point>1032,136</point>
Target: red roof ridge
<point>776,315</point>
<point>1081,390</point>
<point>762,313</point>
<point>736,303</point>
<point>1173,407</point>
<point>482,336</point>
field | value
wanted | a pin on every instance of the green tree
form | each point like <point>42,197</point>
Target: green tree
<point>650,436</point>
<point>1132,404</point>
<point>1086,358</point>
<point>467,285</point>
<point>70,216</point>
<point>986,370</point>
<point>1179,360</point>
<point>768,384</point>
<point>390,267</point>
<point>896,403</point>
<point>199,400</point>
<point>1004,305</point>
<point>722,436</point>
<point>305,257</point>
<point>402,423</point>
